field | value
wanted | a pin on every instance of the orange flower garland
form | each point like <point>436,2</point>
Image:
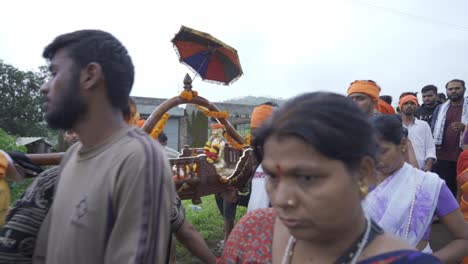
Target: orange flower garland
<point>214,114</point>
<point>159,127</point>
<point>234,143</point>
<point>248,139</point>
<point>188,95</point>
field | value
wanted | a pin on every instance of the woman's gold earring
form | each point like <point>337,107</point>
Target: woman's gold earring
<point>363,189</point>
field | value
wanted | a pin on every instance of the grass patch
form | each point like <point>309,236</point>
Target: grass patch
<point>209,222</point>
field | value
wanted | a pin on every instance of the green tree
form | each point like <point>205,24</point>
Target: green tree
<point>198,129</point>
<point>21,110</point>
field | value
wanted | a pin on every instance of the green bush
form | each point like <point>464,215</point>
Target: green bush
<point>8,143</point>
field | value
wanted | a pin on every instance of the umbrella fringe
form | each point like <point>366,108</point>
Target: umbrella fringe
<point>208,80</point>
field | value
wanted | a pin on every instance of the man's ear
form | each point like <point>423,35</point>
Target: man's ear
<point>91,75</point>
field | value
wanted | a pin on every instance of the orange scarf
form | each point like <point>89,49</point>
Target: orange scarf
<point>384,108</point>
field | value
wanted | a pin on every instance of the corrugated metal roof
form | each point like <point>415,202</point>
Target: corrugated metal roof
<point>23,141</point>
<point>148,109</point>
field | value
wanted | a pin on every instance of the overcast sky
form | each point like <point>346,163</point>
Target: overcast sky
<point>285,47</point>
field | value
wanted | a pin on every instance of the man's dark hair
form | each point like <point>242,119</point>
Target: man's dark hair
<point>270,104</point>
<point>96,46</point>
<point>408,93</point>
<point>162,137</point>
<point>386,98</point>
<point>429,88</point>
<point>456,80</point>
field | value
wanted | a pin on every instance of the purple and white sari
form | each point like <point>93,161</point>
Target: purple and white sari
<point>404,203</point>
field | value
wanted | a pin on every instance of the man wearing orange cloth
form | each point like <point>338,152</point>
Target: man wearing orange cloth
<point>258,196</point>
<point>366,95</point>
<point>419,133</point>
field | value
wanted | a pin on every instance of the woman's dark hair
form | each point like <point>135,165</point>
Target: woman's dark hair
<point>331,123</point>
<point>389,128</point>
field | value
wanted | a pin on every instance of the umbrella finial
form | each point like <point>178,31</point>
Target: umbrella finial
<point>187,82</point>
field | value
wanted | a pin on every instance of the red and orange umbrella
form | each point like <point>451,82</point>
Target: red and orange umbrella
<point>207,56</point>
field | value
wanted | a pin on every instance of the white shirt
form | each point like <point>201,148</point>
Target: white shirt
<point>420,135</point>
<point>258,196</point>
<point>171,153</point>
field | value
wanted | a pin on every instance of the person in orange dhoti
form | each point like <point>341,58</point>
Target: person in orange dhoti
<point>258,196</point>
<point>462,180</point>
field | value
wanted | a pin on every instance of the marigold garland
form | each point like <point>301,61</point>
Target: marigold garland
<point>214,114</point>
<point>234,143</point>
<point>159,127</point>
<point>248,139</point>
<point>188,95</point>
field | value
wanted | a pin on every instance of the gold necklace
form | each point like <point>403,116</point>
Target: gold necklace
<point>289,252</point>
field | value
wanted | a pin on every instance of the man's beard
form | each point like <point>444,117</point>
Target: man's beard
<point>455,97</point>
<point>69,109</point>
<point>408,112</point>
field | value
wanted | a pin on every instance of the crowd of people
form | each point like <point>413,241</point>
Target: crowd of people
<point>339,179</point>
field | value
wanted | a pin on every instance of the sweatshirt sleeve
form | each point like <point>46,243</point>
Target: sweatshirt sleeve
<point>139,209</point>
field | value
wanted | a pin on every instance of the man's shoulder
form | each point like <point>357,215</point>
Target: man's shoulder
<point>136,145</point>
<point>136,140</point>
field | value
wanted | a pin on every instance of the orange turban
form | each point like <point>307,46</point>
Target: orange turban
<point>217,126</point>
<point>408,98</point>
<point>260,114</point>
<point>365,87</point>
<point>384,108</point>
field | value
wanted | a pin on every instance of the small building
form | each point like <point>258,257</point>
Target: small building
<point>239,115</point>
<point>174,128</point>
<point>35,144</point>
